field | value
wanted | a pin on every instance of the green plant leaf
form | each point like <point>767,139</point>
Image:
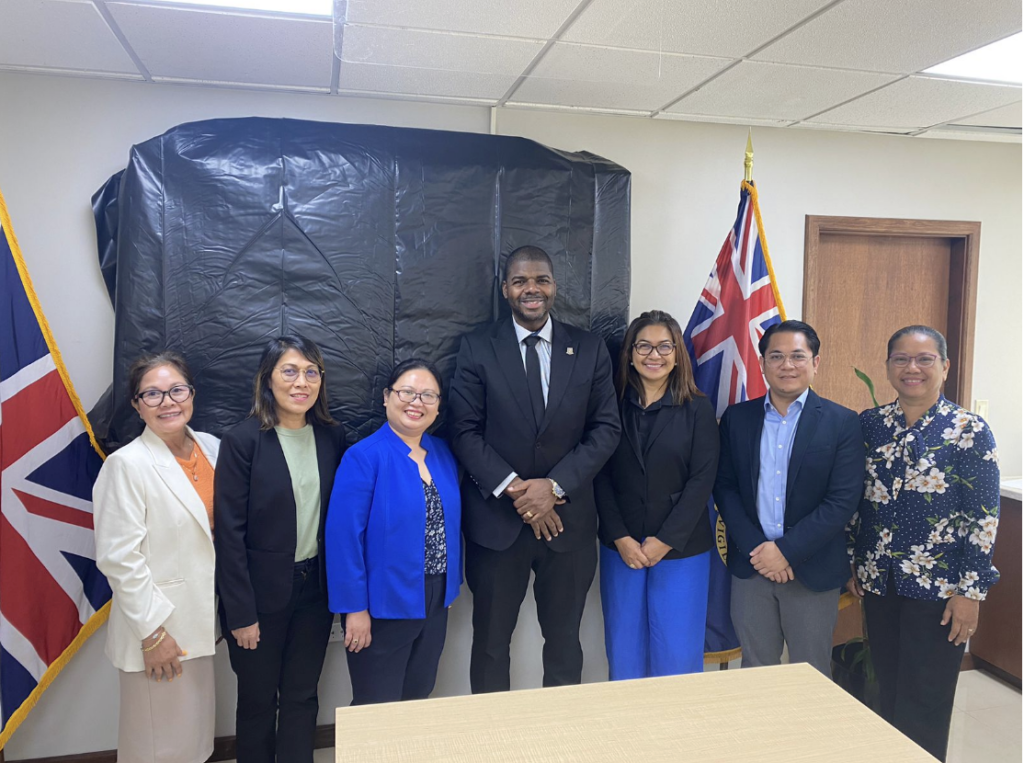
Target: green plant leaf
<point>870,384</point>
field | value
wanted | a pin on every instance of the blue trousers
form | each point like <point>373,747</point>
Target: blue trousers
<point>654,618</point>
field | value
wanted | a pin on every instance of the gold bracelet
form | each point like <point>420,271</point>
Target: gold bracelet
<point>155,643</point>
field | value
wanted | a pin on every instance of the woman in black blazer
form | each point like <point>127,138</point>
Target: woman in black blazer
<point>273,483</point>
<point>652,499</point>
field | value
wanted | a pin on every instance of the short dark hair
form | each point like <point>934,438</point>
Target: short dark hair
<point>680,382</point>
<point>413,364</point>
<point>790,327</point>
<point>527,253</point>
<point>143,364</point>
<point>940,340</point>
<point>264,406</point>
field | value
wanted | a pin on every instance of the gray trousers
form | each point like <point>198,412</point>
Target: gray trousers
<point>766,614</point>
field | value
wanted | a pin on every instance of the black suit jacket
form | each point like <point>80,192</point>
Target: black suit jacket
<point>664,490</point>
<point>494,433</point>
<point>254,518</point>
<point>823,489</point>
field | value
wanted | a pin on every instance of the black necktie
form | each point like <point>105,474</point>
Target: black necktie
<point>533,378</point>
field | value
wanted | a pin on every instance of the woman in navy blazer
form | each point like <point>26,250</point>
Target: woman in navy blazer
<point>394,559</point>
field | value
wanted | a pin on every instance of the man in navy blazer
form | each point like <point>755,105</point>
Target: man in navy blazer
<point>790,476</point>
<point>534,418</point>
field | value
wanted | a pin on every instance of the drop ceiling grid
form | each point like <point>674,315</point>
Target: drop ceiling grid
<point>1004,116</point>
<point>918,102</point>
<point>61,35</point>
<point>588,76</point>
<point>537,19</point>
<point>726,28</point>
<point>915,35</point>
<point>777,91</point>
<point>205,46</point>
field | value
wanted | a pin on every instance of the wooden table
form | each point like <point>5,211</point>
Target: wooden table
<point>783,714</point>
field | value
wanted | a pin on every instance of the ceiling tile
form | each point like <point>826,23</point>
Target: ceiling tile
<point>902,36</point>
<point>419,49</point>
<point>60,34</point>
<point>917,102</point>
<point>729,28</point>
<point>403,80</point>
<point>1005,116</point>
<point>777,91</point>
<point>215,46</point>
<point>749,121</point>
<point>591,77</point>
<point>853,128</point>
<point>513,18</point>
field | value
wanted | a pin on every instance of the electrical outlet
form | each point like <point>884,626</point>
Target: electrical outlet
<point>981,408</point>
<point>337,632</point>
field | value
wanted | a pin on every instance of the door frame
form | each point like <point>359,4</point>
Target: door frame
<point>965,239</point>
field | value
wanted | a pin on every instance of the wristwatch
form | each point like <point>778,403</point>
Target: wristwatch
<point>556,489</point>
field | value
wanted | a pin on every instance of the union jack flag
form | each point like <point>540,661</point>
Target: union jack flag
<point>737,305</point>
<point>52,596</point>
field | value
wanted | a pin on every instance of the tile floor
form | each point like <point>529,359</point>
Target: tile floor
<point>986,724</point>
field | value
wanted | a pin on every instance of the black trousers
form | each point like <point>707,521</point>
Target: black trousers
<point>498,580</point>
<point>277,681</point>
<point>917,666</point>
<point>401,661</point>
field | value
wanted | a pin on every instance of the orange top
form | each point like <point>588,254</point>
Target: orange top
<point>200,473</point>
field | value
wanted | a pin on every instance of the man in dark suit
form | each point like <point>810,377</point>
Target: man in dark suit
<point>533,420</point>
<point>790,476</point>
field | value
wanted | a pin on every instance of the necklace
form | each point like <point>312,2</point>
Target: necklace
<point>193,463</point>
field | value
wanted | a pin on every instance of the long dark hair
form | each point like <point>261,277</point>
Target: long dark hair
<point>264,406</point>
<point>680,381</point>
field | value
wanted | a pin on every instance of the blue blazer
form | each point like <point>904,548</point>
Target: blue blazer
<point>825,483</point>
<point>377,523</point>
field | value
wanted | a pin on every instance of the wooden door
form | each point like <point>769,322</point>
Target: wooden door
<point>865,278</point>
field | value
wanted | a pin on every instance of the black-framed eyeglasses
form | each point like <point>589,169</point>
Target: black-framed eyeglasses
<point>924,360</point>
<point>154,398</point>
<point>313,375</point>
<point>646,348</point>
<point>408,395</point>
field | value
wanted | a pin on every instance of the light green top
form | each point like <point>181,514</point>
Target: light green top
<point>300,454</point>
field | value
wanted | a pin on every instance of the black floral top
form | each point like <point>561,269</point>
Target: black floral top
<point>931,504</point>
<point>436,552</point>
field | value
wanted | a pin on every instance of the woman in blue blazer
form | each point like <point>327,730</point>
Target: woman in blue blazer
<point>394,559</point>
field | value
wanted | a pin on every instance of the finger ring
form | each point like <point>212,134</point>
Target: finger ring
<point>970,630</point>
<point>356,642</point>
<point>528,515</point>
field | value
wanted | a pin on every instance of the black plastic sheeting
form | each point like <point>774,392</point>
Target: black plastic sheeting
<point>379,243</point>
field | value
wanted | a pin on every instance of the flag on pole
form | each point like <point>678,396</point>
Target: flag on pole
<point>52,596</point>
<point>737,305</point>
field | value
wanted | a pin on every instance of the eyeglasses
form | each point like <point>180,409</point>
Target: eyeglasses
<point>646,348</point>
<point>153,398</point>
<point>290,374</point>
<point>408,395</point>
<point>776,359</point>
<point>924,360</point>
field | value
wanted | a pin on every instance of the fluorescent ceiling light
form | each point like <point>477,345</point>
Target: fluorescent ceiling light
<point>999,62</point>
<point>303,7</point>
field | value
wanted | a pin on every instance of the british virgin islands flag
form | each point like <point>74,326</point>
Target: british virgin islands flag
<point>737,305</point>
<point>52,597</point>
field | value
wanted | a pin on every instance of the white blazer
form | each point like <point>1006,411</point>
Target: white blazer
<point>153,543</point>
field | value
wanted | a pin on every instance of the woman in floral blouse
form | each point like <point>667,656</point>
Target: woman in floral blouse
<point>922,541</point>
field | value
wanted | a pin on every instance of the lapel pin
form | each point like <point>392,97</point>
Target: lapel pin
<point>569,351</point>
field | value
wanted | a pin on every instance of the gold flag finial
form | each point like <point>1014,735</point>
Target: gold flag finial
<point>748,160</point>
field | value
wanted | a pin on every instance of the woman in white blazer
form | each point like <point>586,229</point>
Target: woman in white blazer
<point>153,509</point>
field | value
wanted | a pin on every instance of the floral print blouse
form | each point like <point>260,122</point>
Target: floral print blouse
<point>436,546</point>
<point>931,504</point>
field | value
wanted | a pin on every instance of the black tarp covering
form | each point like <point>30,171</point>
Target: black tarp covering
<point>379,243</point>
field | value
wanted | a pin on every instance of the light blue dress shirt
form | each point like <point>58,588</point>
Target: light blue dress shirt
<point>776,447</point>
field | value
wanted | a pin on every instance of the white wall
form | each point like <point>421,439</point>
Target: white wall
<point>60,138</point>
